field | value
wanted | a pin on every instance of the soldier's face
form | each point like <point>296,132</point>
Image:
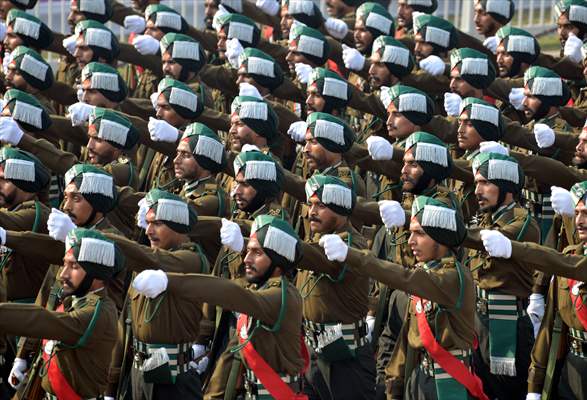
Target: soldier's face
<point>581,221</point>
<point>379,75</point>
<point>93,96</point>
<point>171,67</point>
<point>422,49</point>
<point>335,8</point>
<point>165,112</point>
<point>14,80</point>
<point>467,136</point>
<point>256,261</point>
<point>487,193</point>
<point>244,77</point>
<point>210,8</point>
<point>184,164</point>
<point>152,30</point>
<point>322,218</point>
<point>239,133</point>
<point>314,101</point>
<point>72,274</point>
<point>504,61</point>
<point>160,235</point>
<point>12,40</point>
<point>484,22</point>
<point>286,22</point>
<point>8,191</point>
<point>398,126</point>
<point>315,154</point>
<point>363,38</point>
<point>580,158</point>
<point>5,6</point>
<point>243,193</point>
<point>459,86</point>
<point>422,245</point>
<point>221,44</point>
<point>404,14</point>
<point>83,54</point>
<point>294,56</point>
<point>100,152</point>
<point>411,172</point>
<point>76,206</point>
<point>531,104</point>
<point>564,27</point>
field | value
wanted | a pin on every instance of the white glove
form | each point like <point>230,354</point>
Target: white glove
<point>544,135</point>
<point>59,225</point>
<point>79,113</point>
<point>352,58</point>
<point>246,89</point>
<point>134,23</point>
<point>146,44</point>
<point>433,65</point>
<point>151,282</point>
<point>516,97</point>
<point>142,213</point>
<point>154,97</point>
<point>162,131</point>
<point>249,147</point>
<point>370,326</point>
<point>270,7</point>
<point>533,396</point>
<point>452,104</point>
<point>535,311</point>
<point>69,43</point>
<point>221,11</point>
<point>496,244</point>
<point>10,132</point>
<point>6,61</point>
<point>493,147</point>
<point>2,31</point>
<point>392,214</point>
<point>198,350</point>
<point>17,373</point>
<point>379,148</point>
<point>2,242</point>
<point>233,51</point>
<point>562,201</point>
<point>303,72</point>
<point>109,398</point>
<point>334,248</point>
<point>337,28</point>
<point>79,93</point>
<point>231,236</point>
<point>297,131</point>
<point>491,43</point>
<point>573,48</point>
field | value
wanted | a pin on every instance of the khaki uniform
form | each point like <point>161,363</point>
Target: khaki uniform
<point>207,196</point>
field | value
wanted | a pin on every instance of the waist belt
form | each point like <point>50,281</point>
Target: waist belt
<point>432,369</point>
<point>578,342</point>
<point>318,335</point>
<point>256,390</point>
<point>179,354</point>
<point>500,306</point>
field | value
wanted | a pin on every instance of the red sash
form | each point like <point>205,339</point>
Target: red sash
<point>452,365</point>
<point>263,371</point>
<point>580,308</point>
<point>60,386</point>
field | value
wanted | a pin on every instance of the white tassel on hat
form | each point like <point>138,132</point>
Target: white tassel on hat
<point>432,153</point>
<point>260,66</point>
<point>96,251</point>
<point>28,114</point>
<point>474,66</point>
<point>34,67</point>
<point>281,243</point>
<point>501,7</point>
<point>262,170</point>
<point>183,98</point>
<point>253,110</point>
<point>396,55</point>
<point>521,44</point>
<point>425,3</point>
<point>236,5</point>
<point>578,13</point>
<point>173,211</point>
<point>27,27</point>
<point>329,130</point>
<point>93,6</point>
<point>168,20</point>
<point>437,36</point>
<point>547,86</point>
<point>301,7</point>
<point>311,46</point>
<point>113,131</point>
<point>98,38</point>
<point>240,31</point>
<point>485,113</point>
<point>337,195</point>
<point>439,217</point>
<point>22,170</point>
<point>105,81</point>
<point>186,50</point>
<point>503,170</point>
<point>379,22</point>
<point>412,102</point>
<point>96,183</point>
<point>335,88</point>
<point>210,148</point>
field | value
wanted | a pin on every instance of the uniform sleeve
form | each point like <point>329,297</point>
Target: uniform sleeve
<point>432,85</point>
<point>358,155</point>
<point>20,220</point>
<point>367,103</point>
<point>564,66</point>
<point>37,245</point>
<point>500,88</point>
<point>56,160</point>
<point>314,259</point>
<point>445,128</point>
<point>129,54</point>
<point>550,261</point>
<point>253,12</point>
<point>395,371</point>
<point>61,128</point>
<point>367,212</point>
<point>141,108</point>
<point>289,91</point>
<point>548,171</point>
<point>207,39</point>
<point>120,11</point>
<point>574,116</point>
<point>294,185</point>
<point>61,93</point>
<point>221,78</point>
<point>214,119</point>
<point>521,136</point>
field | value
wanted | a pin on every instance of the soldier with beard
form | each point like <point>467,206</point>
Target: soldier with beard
<point>307,49</point>
<point>490,16</point>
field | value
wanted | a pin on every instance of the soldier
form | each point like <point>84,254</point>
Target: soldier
<point>182,59</point>
<point>306,46</point>
<point>405,10</point>
<point>82,327</point>
<point>437,41</point>
<point>490,16</point>
<point>25,29</point>
<point>516,51</point>
<point>432,358</point>
<point>267,337</point>
<point>327,92</point>
<point>6,6</point>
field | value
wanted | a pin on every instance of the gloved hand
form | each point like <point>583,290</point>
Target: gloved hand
<point>10,132</point>
<point>198,350</point>
<point>79,93</point>
<point>303,72</point>
<point>2,242</point>
<point>142,213</point>
<point>516,97</point>
<point>134,23</point>
<point>79,113</point>
<point>162,131</point>
<point>562,201</point>
<point>17,373</point>
<point>109,398</point>
<point>392,214</point>
<point>544,135</point>
<point>336,28</point>
<point>246,89</point>
<point>370,326</point>
<point>2,31</point>
<point>452,104</point>
<point>433,65</point>
<point>334,248</point>
<point>59,224</point>
<point>231,236</point>
<point>496,244</point>
<point>384,96</point>
<point>491,43</point>
<point>233,51</point>
<point>533,396</point>
<point>69,43</point>
<point>6,61</point>
<point>493,147</point>
<point>249,147</point>
<point>573,47</point>
<point>154,97</point>
<point>270,7</point>
<point>146,44</point>
<point>151,283</point>
<point>352,58</point>
<point>379,148</point>
<point>535,311</point>
<point>297,131</point>
<point>221,11</point>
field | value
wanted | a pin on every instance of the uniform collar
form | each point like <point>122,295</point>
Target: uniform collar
<point>501,211</point>
<point>192,186</point>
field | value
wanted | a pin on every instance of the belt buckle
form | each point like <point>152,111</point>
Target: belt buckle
<point>482,306</point>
